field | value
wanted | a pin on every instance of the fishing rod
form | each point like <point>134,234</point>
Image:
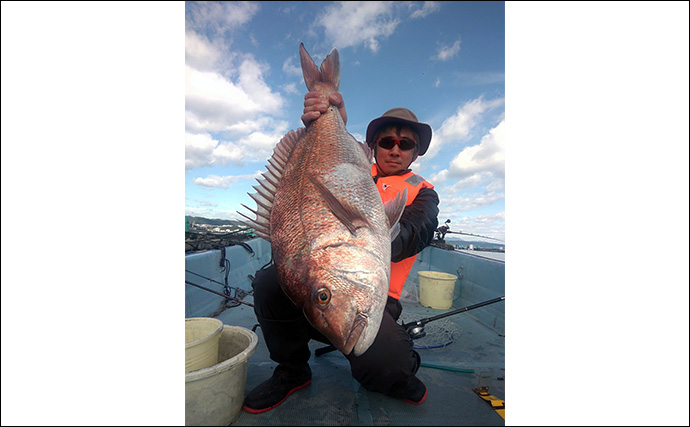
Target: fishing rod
<point>416,329</point>
<point>445,228</point>
<point>218,293</point>
<point>475,235</point>
<point>215,281</point>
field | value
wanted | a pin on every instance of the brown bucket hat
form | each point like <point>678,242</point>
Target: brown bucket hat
<point>404,116</point>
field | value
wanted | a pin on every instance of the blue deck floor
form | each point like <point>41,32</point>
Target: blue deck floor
<point>335,398</point>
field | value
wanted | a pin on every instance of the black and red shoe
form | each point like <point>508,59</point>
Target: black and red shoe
<point>286,379</point>
<point>413,392</point>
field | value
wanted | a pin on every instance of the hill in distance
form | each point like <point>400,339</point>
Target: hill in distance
<point>213,221</point>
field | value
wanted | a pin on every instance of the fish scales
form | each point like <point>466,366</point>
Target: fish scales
<point>329,231</point>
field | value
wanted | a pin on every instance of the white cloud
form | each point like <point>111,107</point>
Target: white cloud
<point>258,124</point>
<point>202,150</point>
<point>214,103</point>
<point>497,184</point>
<point>290,88</point>
<point>478,167</point>
<point>470,202</point>
<point>263,142</point>
<point>489,155</point>
<point>459,126</point>
<point>492,225</point>
<point>290,68</point>
<point>229,153</point>
<point>358,22</point>
<point>354,23</point>
<point>444,53</point>
<point>458,184</point>
<point>484,162</point>
<point>225,92</point>
<point>219,17</point>
<point>198,150</point>
<point>252,82</point>
<point>426,9</point>
<point>199,52</point>
<point>216,181</point>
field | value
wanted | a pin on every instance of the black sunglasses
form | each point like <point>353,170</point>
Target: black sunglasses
<point>404,143</point>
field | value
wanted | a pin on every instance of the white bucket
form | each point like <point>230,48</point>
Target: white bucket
<point>436,289</point>
<point>201,342</point>
<point>214,395</point>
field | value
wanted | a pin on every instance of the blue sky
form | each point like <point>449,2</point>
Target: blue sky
<point>94,188</point>
<point>443,60</point>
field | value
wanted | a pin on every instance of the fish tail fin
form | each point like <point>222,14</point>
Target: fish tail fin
<point>328,79</point>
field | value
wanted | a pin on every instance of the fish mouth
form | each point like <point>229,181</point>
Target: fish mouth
<point>358,326</point>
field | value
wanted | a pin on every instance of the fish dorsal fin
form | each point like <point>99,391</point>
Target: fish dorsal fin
<point>394,209</point>
<point>328,79</point>
<point>268,185</point>
<point>344,212</point>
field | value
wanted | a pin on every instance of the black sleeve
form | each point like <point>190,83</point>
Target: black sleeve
<point>417,225</point>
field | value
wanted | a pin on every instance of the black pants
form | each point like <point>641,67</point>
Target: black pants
<point>385,367</point>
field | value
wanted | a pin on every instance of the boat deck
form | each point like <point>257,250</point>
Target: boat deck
<point>335,398</point>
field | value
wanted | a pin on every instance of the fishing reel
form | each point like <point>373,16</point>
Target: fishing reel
<point>416,330</point>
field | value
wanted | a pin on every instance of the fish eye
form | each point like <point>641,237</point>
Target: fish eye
<point>323,296</point>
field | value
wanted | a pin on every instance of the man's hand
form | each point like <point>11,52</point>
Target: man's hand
<point>315,104</point>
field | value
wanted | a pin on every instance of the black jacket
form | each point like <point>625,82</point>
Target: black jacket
<point>417,225</point>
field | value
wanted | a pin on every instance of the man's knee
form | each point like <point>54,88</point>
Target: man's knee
<point>389,360</point>
<point>270,302</point>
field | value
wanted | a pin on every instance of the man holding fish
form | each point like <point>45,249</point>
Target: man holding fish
<point>341,257</point>
<point>390,364</point>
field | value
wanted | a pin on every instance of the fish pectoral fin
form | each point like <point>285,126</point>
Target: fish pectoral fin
<point>394,209</point>
<point>395,230</point>
<point>344,212</point>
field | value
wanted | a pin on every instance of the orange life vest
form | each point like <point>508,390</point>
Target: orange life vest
<point>388,187</point>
